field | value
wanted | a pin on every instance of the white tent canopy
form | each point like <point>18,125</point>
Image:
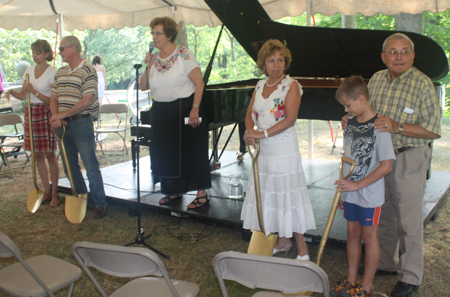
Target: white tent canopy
<point>93,14</point>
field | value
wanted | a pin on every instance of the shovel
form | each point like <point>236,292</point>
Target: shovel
<point>260,244</point>
<point>37,194</point>
<point>75,208</point>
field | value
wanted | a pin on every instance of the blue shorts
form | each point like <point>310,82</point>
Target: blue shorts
<point>365,216</point>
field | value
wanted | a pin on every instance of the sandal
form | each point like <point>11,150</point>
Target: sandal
<point>47,198</point>
<point>196,203</point>
<point>166,199</point>
<point>55,201</point>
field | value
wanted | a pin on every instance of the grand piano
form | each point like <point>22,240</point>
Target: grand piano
<point>320,58</point>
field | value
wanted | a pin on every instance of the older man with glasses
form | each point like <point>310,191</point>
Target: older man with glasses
<point>74,99</point>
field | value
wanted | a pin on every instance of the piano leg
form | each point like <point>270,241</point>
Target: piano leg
<point>242,145</point>
<point>133,152</point>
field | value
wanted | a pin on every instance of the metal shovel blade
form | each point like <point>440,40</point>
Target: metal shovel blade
<point>35,199</point>
<point>76,208</point>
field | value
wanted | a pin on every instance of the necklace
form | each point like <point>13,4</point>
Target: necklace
<point>267,82</point>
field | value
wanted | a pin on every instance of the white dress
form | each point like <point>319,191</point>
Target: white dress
<point>101,84</point>
<point>284,195</point>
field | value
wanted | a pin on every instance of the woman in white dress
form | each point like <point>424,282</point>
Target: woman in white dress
<point>101,74</point>
<point>273,109</point>
<point>44,141</point>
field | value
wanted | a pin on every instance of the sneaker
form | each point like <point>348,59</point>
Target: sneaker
<point>355,291</point>
<point>344,285</point>
<point>100,212</point>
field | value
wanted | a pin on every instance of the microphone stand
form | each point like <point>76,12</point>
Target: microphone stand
<point>140,236</point>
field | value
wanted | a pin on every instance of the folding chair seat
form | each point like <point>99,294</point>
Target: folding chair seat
<point>122,261</point>
<point>37,276</point>
<point>272,273</point>
<point>11,125</point>
<point>119,127</point>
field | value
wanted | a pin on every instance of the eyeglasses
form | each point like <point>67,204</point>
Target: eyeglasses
<point>157,33</point>
<point>61,48</point>
<point>394,53</point>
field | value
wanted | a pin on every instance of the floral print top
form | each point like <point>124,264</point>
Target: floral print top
<point>169,77</point>
<point>269,111</point>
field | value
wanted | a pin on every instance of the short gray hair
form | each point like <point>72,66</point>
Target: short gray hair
<point>397,36</point>
<point>72,40</point>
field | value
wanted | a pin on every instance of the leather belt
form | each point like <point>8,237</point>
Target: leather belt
<point>76,117</point>
<point>402,149</point>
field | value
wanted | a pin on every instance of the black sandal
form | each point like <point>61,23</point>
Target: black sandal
<point>166,199</point>
<point>196,202</point>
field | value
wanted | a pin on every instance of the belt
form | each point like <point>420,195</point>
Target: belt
<point>402,149</point>
<point>77,117</point>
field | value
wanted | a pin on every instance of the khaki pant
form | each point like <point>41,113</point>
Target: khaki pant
<point>401,222</point>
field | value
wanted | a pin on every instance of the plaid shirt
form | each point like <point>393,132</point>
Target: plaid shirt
<point>411,98</point>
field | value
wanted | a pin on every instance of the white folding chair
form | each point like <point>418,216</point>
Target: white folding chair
<point>11,125</point>
<point>119,127</point>
<point>273,273</point>
<point>37,276</point>
<point>122,261</point>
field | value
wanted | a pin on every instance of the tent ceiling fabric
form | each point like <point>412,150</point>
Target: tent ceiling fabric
<point>93,14</point>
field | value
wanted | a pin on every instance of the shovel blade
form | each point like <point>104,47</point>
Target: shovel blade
<point>260,244</point>
<point>35,199</point>
<point>75,208</point>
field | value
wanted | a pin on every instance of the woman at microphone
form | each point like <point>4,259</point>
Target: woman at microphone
<point>179,146</point>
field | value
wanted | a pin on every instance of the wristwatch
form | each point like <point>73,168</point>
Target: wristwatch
<point>401,127</point>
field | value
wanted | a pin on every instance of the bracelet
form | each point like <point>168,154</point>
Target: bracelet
<point>196,106</point>
<point>266,135</point>
<point>37,94</point>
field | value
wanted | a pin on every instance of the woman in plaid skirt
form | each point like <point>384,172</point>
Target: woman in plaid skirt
<point>39,88</point>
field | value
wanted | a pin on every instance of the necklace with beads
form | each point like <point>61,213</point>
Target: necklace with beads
<point>267,82</point>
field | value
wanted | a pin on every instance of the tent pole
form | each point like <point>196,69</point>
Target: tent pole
<point>310,122</point>
<point>60,34</point>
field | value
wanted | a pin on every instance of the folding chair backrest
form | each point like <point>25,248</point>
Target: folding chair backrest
<point>273,273</point>
<point>118,260</point>
<point>113,108</point>
<point>7,247</point>
<point>10,119</point>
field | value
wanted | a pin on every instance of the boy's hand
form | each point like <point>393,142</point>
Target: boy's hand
<point>346,186</point>
<point>344,121</point>
<point>341,205</point>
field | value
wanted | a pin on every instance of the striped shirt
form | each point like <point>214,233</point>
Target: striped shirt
<point>72,85</point>
<point>411,98</point>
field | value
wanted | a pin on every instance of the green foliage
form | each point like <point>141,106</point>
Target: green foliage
<point>123,48</point>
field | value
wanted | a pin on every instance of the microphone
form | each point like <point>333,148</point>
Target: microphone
<point>151,47</point>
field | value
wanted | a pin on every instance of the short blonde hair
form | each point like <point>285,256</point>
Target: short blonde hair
<point>42,45</point>
<point>269,48</point>
<point>169,25</point>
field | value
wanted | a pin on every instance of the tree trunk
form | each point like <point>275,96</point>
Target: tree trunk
<point>409,22</point>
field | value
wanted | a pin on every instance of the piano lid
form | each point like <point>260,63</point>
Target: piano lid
<point>323,52</point>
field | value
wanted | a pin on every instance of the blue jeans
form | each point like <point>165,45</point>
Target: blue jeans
<point>80,139</point>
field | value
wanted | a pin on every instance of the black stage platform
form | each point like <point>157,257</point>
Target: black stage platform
<point>120,186</point>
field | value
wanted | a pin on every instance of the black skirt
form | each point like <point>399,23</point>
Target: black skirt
<point>178,152</point>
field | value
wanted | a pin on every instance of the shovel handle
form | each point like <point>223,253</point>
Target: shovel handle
<point>66,161</point>
<point>334,205</point>
<point>257,186</point>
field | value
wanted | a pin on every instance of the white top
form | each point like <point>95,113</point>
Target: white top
<point>169,79</point>
<point>43,84</point>
<point>269,111</point>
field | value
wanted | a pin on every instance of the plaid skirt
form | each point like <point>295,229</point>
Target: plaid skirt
<point>44,139</point>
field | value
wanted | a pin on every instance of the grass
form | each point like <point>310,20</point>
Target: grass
<point>192,245</point>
